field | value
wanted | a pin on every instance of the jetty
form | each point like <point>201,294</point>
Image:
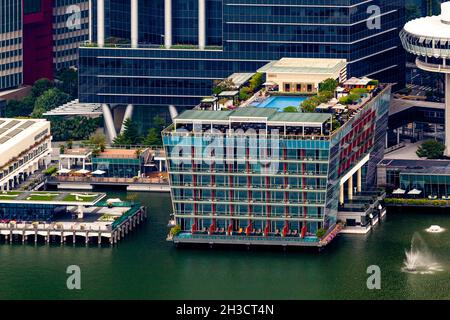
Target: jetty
<point>66,217</point>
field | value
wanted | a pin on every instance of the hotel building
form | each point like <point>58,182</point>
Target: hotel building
<point>167,53</point>
<point>25,146</point>
<point>260,176</point>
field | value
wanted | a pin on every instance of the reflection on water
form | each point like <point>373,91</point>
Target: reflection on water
<point>146,266</point>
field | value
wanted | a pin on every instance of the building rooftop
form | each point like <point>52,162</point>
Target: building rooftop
<point>436,27</point>
<point>13,131</point>
<point>266,114</point>
<point>304,65</point>
<point>74,108</point>
<point>54,198</point>
<point>420,166</point>
<point>239,79</point>
<point>119,153</point>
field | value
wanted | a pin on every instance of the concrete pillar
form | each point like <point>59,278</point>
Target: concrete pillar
<point>173,112</point>
<point>90,20</point>
<point>447,115</point>
<point>127,115</point>
<point>201,24</point>
<point>341,194</point>
<point>350,188</point>
<point>134,23</point>
<point>359,180</point>
<point>109,123</point>
<point>101,23</point>
<point>168,23</point>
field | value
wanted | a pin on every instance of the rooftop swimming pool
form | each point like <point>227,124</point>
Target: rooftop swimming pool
<point>279,102</point>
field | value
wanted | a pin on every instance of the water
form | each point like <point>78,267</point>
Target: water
<point>145,266</point>
<point>280,102</point>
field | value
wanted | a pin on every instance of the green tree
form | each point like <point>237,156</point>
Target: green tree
<point>290,109</point>
<point>245,93</point>
<point>329,85</point>
<point>159,122</point>
<point>256,81</point>
<point>130,135</point>
<point>50,99</point>
<point>68,82</point>
<point>223,85</point>
<point>98,140</point>
<point>153,138</point>
<point>41,86</point>
<point>431,149</point>
<point>310,105</point>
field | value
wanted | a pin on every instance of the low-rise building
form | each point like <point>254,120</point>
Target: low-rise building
<point>301,75</point>
<point>25,146</point>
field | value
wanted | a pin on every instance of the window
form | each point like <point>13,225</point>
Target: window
<point>31,6</point>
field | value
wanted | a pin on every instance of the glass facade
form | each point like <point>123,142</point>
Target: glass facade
<point>241,36</point>
<point>118,167</point>
<point>238,195</point>
<point>70,30</point>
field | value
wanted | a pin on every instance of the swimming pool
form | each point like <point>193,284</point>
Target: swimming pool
<point>279,102</point>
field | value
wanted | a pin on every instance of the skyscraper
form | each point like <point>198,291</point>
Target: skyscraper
<point>168,52</point>
<point>11,47</point>
<point>39,38</point>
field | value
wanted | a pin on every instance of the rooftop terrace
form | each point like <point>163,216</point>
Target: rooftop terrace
<point>56,198</point>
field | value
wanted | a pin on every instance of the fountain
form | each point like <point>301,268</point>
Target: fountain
<point>435,229</point>
<point>419,258</point>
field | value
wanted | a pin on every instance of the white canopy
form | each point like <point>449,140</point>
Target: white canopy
<point>333,101</point>
<point>415,192</point>
<point>323,106</point>
<point>113,200</point>
<point>99,172</point>
<point>62,171</point>
<point>399,191</point>
<point>339,107</point>
<point>82,171</point>
<point>269,83</point>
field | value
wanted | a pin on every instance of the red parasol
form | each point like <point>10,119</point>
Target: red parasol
<point>303,231</point>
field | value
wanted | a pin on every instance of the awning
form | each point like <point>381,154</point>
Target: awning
<point>339,107</point>
<point>269,83</point>
<point>323,106</point>
<point>113,200</point>
<point>398,191</point>
<point>62,171</point>
<point>82,171</point>
<point>98,172</point>
<point>414,192</point>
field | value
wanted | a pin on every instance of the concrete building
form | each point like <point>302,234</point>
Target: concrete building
<point>25,146</point>
<point>303,75</point>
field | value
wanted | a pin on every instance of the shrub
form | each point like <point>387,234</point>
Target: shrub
<point>50,171</point>
<point>321,232</point>
<point>328,85</point>
<point>290,109</point>
<point>175,230</point>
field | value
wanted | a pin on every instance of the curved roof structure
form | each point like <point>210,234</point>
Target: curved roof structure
<point>429,36</point>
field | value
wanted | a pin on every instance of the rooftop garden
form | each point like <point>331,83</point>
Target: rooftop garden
<point>50,196</point>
